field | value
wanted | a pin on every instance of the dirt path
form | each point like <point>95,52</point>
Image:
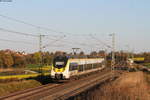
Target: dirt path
<point>130,86</point>
<point>133,85</point>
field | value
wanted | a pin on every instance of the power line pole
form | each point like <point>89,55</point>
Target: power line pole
<point>75,50</point>
<point>40,51</point>
<point>113,51</point>
<point>105,57</point>
<point>40,43</point>
<point>128,54</point>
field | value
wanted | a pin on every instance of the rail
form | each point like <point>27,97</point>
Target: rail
<point>77,89</point>
<point>85,87</point>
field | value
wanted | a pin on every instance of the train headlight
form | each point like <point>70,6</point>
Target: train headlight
<point>59,70</point>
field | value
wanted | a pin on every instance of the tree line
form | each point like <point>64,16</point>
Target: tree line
<point>12,59</point>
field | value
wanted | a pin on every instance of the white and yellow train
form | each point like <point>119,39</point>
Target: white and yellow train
<point>64,67</point>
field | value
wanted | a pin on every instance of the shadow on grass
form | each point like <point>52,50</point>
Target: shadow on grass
<point>42,79</point>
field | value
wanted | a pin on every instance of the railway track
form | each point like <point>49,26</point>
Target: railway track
<point>60,91</point>
<point>83,87</point>
<point>21,94</point>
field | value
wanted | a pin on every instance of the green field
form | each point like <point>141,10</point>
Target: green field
<point>30,71</point>
<point>38,68</point>
<point>147,65</point>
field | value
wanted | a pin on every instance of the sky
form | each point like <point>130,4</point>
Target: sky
<point>83,24</point>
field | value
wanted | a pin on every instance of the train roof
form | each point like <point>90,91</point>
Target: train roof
<point>81,58</point>
<point>86,60</point>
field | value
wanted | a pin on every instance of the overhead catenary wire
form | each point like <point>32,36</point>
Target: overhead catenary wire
<point>71,44</point>
<point>20,33</point>
<point>103,43</point>
<point>55,40</point>
<point>33,25</point>
<point>26,34</point>
<point>59,39</point>
<point>37,26</point>
<point>43,28</point>
<point>68,42</point>
<point>12,41</point>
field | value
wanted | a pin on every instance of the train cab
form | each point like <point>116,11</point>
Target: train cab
<point>59,67</point>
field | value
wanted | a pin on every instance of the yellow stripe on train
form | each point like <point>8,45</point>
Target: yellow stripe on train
<point>59,70</point>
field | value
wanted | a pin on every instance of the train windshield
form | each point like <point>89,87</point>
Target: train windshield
<point>60,62</point>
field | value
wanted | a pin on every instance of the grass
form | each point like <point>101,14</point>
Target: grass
<point>147,75</point>
<point>12,71</point>
<point>17,73</point>
<point>124,90</point>
<point>147,65</point>
<point>111,92</point>
<point>6,88</point>
<point>36,68</point>
<point>32,66</point>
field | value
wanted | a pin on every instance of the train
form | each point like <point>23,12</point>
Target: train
<point>64,68</point>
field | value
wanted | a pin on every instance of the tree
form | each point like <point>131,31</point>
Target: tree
<point>7,60</point>
<point>19,60</point>
<point>81,53</point>
<point>37,57</point>
<point>47,58</point>
<point>93,54</point>
<point>101,53</point>
<point>1,61</point>
<point>29,59</point>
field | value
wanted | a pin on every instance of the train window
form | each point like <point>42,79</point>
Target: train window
<point>60,62</point>
<point>88,66</point>
<point>94,65</point>
<point>80,69</point>
<point>73,66</point>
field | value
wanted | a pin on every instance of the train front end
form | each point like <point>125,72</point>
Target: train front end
<point>59,68</point>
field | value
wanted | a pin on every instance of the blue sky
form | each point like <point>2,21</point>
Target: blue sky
<point>129,19</point>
